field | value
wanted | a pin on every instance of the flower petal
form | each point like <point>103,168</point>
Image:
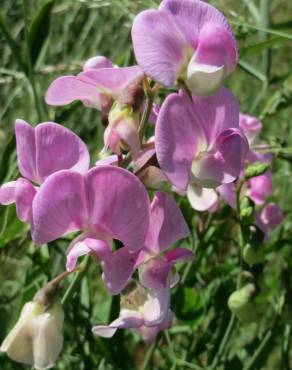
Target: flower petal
<point>156,307</point>
<point>225,164</point>
<point>228,193</point>
<point>24,196</point>
<point>7,193</point>
<point>201,199</point>
<point>118,205</point>
<point>154,273</point>
<point>58,148</point>
<point>260,187</point>
<point>127,319</point>
<point>26,150</point>
<point>112,81</point>
<point>118,269</point>
<point>179,255</point>
<point>178,138</point>
<point>66,89</point>
<point>97,62</point>
<point>190,17</point>
<point>48,148</point>
<point>159,48</point>
<point>59,207</point>
<point>167,224</point>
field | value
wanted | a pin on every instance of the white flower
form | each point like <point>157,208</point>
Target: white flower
<point>36,339</point>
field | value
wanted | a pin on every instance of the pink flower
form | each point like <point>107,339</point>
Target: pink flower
<point>105,203</point>
<point>41,151</point>
<point>146,311</point>
<point>199,144</point>
<point>167,226</point>
<point>96,86</point>
<point>186,40</point>
<point>270,217</point>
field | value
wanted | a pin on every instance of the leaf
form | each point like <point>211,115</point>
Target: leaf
<point>11,227</point>
<point>38,30</point>
<point>15,48</point>
<point>260,46</point>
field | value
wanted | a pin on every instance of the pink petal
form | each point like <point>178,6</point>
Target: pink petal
<point>251,126</point>
<point>97,62</point>
<point>201,199</point>
<point>24,195</point>
<point>159,48</point>
<point>178,138</point>
<point>228,193</point>
<point>118,269</point>
<point>128,319</point>
<point>48,148</point>
<point>215,57</point>
<point>271,216</point>
<point>59,207</point>
<point>58,148</point>
<point>7,193</point>
<point>190,17</point>
<point>84,245</point>
<point>225,164</point>
<point>260,187</point>
<point>26,149</point>
<point>112,81</point>
<point>154,274</point>
<point>66,89</point>
<point>179,255</point>
<point>167,224</point>
<point>118,204</point>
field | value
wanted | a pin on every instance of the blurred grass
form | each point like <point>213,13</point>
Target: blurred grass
<point>262,83</point>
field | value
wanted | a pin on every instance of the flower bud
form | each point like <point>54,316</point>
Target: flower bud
<point>256,169</point>
<point>36,339</point>
<point>253,256</point>
<point>240,303</point>
<point>122,130</point>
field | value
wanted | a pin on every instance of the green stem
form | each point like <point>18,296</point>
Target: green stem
<point>75,282</point>
<point>147,110</point>
<point>31,78</point>
<point>148,356</point>
<point>261,347</point>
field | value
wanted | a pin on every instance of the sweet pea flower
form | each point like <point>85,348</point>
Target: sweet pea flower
<point>36,339</point>
<point>270,217</point>
<point>41,151</point>
<point>105,203</point>
<point>96,86</point>
<point>189,41</point>
<point>146,311</point>
<point>167,226</point>
<point>199,144</point>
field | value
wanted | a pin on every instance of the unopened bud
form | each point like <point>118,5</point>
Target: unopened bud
<point>240,303</point>
<point>256,169</point>
<point>253,256</point>
<point>36,339</point>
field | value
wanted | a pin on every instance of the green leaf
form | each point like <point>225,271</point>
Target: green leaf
<point>260,46</point>
<point>38,30</point>
<point>11,227</point>
<point>15,48</point>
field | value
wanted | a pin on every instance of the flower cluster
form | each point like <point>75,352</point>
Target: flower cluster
<point>199,148</point>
